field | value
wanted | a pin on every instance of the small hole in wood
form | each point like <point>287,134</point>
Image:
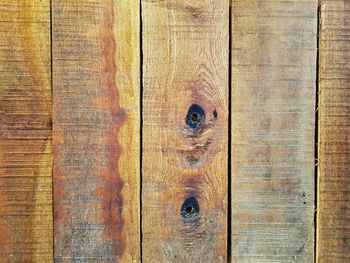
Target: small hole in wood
<point>190,209</point>
<point>195,117</point>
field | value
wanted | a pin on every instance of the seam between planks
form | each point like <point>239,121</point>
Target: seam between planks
<point>52,186</point>
<point>316,132</point>
<point>229,166</point>
<point>141,127</point>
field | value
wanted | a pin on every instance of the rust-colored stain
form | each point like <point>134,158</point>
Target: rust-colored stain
<point>4,235</point>
<point>97,122</point>
<point>111,196</point>
<point>59,213</point>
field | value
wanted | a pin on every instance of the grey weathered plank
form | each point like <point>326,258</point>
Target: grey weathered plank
<point>273,102</point>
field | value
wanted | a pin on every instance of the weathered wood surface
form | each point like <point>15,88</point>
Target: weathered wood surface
<point>333,226</point>
<point>25,132</point>
<point>274,47</point>
<point>96,83</point>
<point>185,125</point>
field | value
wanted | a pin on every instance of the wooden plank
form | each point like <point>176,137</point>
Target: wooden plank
<point>25,132</point>
<point>185,125</point>
<point>274,46</point>
<point>96,130</point>
<point>333,226</point>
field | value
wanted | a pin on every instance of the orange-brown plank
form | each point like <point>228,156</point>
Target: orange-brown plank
<point>25,132</point>
<point>96,130</point>
<point>274,47</point>
<point>185,130</point>
<point>333,226</point>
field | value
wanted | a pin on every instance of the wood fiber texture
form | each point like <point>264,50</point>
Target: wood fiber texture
<point>25,132</point>
<point>274,47</point>
<point>76,185</point>
<point>185,127</point>
<point>96,79</point>
<point>333,226</point>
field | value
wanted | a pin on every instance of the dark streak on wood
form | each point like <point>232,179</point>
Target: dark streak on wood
<point>195,12</point>
<point>192,185</point>
<point>110,194</point>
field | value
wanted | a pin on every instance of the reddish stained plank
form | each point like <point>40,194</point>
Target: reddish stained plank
<point>110,193</point>
<point>94,197</point>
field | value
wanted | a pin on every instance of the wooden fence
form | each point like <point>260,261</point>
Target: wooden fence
<point>175,131</point>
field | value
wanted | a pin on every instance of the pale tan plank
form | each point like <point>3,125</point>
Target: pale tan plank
<point>273,101</point>
<point>185,62</point>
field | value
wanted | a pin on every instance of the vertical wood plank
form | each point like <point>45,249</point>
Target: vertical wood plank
<point>25,132</point>
<point>96,79</point>
<point>185,116</point>
<point>333,226</point>
<point>273,99</point>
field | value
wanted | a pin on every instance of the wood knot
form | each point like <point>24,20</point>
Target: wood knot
<point>190,209</point>
<point>195,117</point>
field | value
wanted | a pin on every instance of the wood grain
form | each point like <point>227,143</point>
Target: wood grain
<point>274,46</point>
<point>25,132</point>
<point>96,79</point>
<point>333,226</point>
<point>185,116</point>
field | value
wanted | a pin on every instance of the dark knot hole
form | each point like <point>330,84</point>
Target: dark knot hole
<point>190,209</point>
<point>195,117</point>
